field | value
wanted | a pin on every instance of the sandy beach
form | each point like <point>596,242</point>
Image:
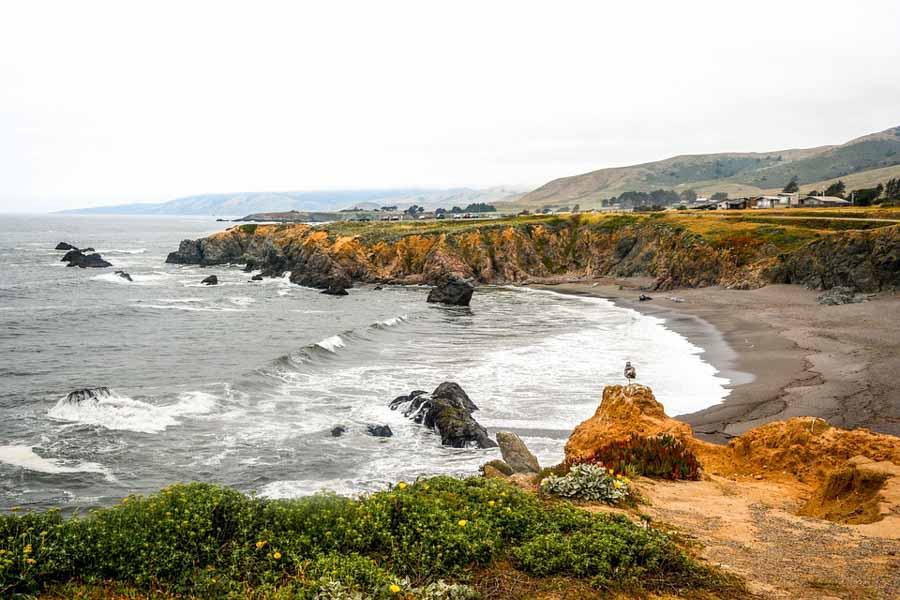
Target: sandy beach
<point>785,354</point>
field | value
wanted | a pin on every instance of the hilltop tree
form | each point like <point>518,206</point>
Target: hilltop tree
<point>792,186</point>
<point>892,189</point>
<point>835,189</point>
<point>719,196</point>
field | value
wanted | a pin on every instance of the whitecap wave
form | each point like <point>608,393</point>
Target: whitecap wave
<point>124,251</point>
<point>332,344</point>
<point>189,308</point>
<point>241,300</point>
<point>124,413</point>
<point>394,321</point>
<point>136,278</point>
<point>26,458</point>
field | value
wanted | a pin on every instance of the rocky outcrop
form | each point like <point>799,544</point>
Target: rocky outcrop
<point>335,290</point>
<point>516,454</point>
<point>451,290</point>
<point>65,246</point>
<point>211,280</point>
<point>572,248</point>
<point>448,410</point>
<point>864,261</point>
<point>85,394</point>
<point>624,410</point>
<point>840,295</point>
<point>77,258</point>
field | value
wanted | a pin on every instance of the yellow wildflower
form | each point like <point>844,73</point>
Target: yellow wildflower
<point>491,503</point>
<point>260,544</point>
<point>617,484</point>
<point>508,509</point>
<point>401,485</point>
<point>395,589</point>
<point>27,549</point>
<point>276,555</point>
<point>30,561</point>
<point>463,522</point>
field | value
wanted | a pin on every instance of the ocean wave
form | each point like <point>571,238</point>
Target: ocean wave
<point>26,458</point>
<point>124,251</point>
<point>124,413</point>
<point>331,343</point>
<point>136,278</point>
<point>188,308</point>
<point>241,300</point>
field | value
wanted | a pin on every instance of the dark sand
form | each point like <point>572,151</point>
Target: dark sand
<point>786,355</point>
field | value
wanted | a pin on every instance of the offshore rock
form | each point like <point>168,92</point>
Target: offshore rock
<point>88,394</point>
<point>211,280</point>
<point>77,258</point>
<point>338,431</point>
<point>453,291</point>
<point>516,454</point>
<point>379,430</point>
<point>335,290</point>
<point>448,410</point>
<point>65,246</point>
<point>124,275</point>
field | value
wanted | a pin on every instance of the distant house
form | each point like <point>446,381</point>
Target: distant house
<point>778,201</point>
<point>823,201</point>
<point>733,204</point>
<point>790,198</point>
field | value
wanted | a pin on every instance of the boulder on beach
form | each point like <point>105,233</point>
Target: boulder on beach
<point>379,430</point>
<point>516,454</point>
<point>497,466</point>
<point>211,280</point>
<point>448,410</point>
<point>65,246</point>
<point>452,290</point>
<point>840,295</point>
<point>124,275</point>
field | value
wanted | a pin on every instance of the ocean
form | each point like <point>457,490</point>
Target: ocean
<point>241,383</point>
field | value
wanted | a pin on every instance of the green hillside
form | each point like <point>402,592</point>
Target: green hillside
<point>735,173</point>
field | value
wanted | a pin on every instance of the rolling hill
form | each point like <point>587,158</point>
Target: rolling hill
<point>244,203</point>
<point>735,173</point>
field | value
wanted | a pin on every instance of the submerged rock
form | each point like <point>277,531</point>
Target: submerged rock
<point>379,430</point>
<point>65,246</point>
<point>338,431</point>
<point>257,277</point>
<point>124,275</point>
<point>453,291</point>
<point>336,290</point>
<point>211,280</point>
<point>516,454</point>
<point>88,394</point>
<point>448,410</point>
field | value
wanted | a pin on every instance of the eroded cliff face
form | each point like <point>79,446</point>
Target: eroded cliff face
<point>563,249</point>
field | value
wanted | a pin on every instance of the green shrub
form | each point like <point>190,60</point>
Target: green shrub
<point>212,542</point>
<point>587,482</point>
<point>661,456</point>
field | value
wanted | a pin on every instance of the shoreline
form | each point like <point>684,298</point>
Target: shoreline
<point>784,354</point>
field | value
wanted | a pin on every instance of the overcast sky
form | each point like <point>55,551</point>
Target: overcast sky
<point>110,102</point>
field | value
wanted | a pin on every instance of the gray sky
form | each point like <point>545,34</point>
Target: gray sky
<point>107,102</point>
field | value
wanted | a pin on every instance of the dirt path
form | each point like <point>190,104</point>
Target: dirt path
<point>749,528</point>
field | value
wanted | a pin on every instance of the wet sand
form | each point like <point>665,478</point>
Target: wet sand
<point>785,354</point>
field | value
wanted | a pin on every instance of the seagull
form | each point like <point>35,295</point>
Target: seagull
<point>630,373</point>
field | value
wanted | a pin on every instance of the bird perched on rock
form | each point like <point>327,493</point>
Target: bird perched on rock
<point>630,373</point>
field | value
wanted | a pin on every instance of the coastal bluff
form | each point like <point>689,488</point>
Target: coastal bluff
<point>528,249</point>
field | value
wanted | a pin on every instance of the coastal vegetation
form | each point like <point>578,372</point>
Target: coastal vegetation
<point>662,456</point>
<point>431,538</point>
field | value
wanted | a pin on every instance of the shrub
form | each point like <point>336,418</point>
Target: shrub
<point>661,456</point>
<point>588,482</point>
<point>207,541</point>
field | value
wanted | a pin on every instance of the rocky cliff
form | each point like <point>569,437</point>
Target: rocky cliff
<point>520,250</point>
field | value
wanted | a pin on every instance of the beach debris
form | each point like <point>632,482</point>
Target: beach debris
<point>448,410</point>
<point>840,295</point>
<point>676,299</point>
<point>211,280</point>
<point>516,454</point>
<point>452,290</point>
<point>630,372</point>
<point>379,430</point>
<point>644,298</point>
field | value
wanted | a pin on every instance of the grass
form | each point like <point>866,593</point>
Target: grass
<point>206,541</point>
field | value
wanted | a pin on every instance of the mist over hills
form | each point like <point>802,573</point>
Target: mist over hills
<point>733,172</point>
<point>244,203</point>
